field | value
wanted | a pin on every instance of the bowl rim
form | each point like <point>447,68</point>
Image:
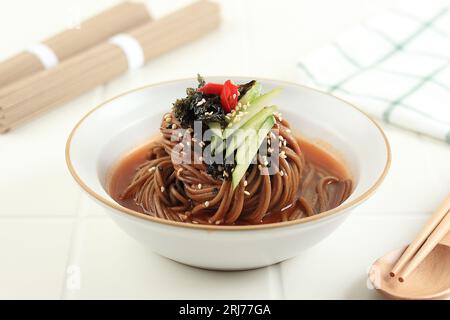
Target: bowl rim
<point>340,209</point>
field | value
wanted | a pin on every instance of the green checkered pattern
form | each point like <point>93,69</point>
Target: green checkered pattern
<point>396,67</point>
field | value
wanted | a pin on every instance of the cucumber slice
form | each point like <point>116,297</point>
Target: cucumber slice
<point>247,151</point>
<point>238,138</point>
<point>251,94</point>
<point>245,115</point>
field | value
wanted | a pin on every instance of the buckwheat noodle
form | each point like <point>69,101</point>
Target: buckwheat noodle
<point>187,193</point>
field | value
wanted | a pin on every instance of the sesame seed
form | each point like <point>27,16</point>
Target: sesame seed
<point>199,186</point>
<point>281,173</point>
<point>201,144</point>
<point>218,222</point>
<point>245,183</point>
<point>288,130</point>
<point>234,96</point>
<point>225,174</point>
<point>163,189</point>
<point>206,204</point>
<point>270,150</point>
<point>151,169</point>
<point>174,126</point>
<point>266,163</point>
<point>194,222</point>
<point>285,143</point>
<point>201,102</point>
<point>246,193</point>
<point>268,142</point>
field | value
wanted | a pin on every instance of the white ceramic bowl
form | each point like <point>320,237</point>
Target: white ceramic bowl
<point>127,121</point>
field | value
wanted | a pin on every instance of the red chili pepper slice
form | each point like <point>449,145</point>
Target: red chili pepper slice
<point>212,88</point>
<point>228,93</point>
<point>224,99</point>
<point>229,96</point>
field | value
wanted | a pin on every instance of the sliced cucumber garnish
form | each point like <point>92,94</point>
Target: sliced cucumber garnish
<point>249,128</point>
<point>251,94</point>
<point>242,116</point>
<point>249,149</point>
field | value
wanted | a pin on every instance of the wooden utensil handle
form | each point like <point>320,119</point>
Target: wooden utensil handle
<point>446,240</point>
<point>435,219</point>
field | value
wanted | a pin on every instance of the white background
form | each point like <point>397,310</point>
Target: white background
<point>47,225</point>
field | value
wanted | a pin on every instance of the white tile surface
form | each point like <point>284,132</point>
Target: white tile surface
<point>419,167</point>
<point>41,235</point>
<point>35,161</point>
<point>33,257</point>
<point>342,274</point>
<point>115,266</point>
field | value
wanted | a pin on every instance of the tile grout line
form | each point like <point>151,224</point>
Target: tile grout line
<point>276,282</point>
<point>74,249</point>
<point>77,237</point>
<point>38,216</point>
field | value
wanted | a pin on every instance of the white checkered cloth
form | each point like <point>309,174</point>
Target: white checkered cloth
<point>396,66</point>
